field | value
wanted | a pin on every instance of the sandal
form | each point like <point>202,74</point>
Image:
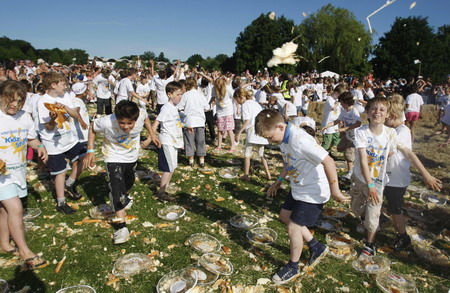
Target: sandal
<point>35,262</point>
<point>14,251</point>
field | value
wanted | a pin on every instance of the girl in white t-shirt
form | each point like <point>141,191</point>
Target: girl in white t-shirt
<point>250,109</point>
<point>143,90</point>
<point>296,95</point>
<point>17,130</point>
<point>223,93</point>
<point>306,98</point>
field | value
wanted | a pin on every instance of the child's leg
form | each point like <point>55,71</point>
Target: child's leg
<point>219,145</point>
<point>60,180</point>
<point>264,162</point>
<point>165,180</point>
<point>372,218</point>
<point>189,145</point>
<point>233,142</point>
<point>358,194</point>
<point>285,216</point>
<point>129,175</point>
<point>296,234</point>
<point>412,126</point>
<point>200,144</point>
<point>4,231</point>
<point>167,162</point>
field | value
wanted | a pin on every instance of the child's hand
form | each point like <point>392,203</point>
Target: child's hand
<point>272,191</point>
<point>42,154</point>
<point>89,160</point>
<point>156,141</point>
<point>339,197</point>
<point>83,124</point>
<point>190,129</point>
<point>433,183</point>
<point>373,195</point>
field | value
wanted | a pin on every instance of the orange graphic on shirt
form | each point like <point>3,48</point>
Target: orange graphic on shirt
<point>17,143</point>
<point>375,160</point>
<point>292,172</point>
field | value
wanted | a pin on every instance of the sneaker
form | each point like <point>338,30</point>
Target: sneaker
<point>121,236</point>
<point>402,242</point>
<point>65,208</point>
<point>73,192</point>
<point>369,250</point>
<point>202,165</point>
<point>316,257</point>
<point>286,274</point>
<point>129,204</point>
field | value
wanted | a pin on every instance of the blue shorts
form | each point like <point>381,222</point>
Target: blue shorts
<point>303,213</point>
<point>167,158</point>
<point>57,163</point>
<point>12,190</point>
<point>395,199</point>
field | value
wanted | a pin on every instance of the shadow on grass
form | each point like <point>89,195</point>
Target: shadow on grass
<point>26,278</point>
<point>96,188</point>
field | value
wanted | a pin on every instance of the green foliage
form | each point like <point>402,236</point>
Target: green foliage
<point>148,55</point>
<point>334,32</point>
<point>121,65</point>
<point>195,59</point>
<point>162,58</point>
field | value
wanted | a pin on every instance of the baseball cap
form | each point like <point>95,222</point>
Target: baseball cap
<point>79,88</point>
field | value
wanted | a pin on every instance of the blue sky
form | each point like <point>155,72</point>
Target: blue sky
<point>178,28</point>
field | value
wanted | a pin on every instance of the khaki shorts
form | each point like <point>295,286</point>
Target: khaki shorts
<point>364,208</point>
<point>346,146</point>
<point>249,147</point>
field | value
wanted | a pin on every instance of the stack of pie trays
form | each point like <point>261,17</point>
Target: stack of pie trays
<point>216,264</point>
<point>262,235</point>
<point>341,246</point>
<point>372,264</point>
<point>228,173</point>
<point>77,289</point>
<point>102,212</point>
<point>204,243</point>
<point>131,264</point>
<point>420,237</point>
<point>179,281</point>
<point>31,214</point>
<point>329,224</point>
<point>171,213</point>
<point>205,278</point>
<point>394,282</point>
<point>244,221</point>
<point>207,171</point>
<point>432,254</point>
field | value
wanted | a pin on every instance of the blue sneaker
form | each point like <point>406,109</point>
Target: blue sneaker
<point>317,256</point>
<point>286,274</point>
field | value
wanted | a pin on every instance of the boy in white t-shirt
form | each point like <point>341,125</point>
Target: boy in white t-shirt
<point>125,89</point>
<point>413,108</point>
<point>350,118</point>
<point>103,92</point>
<point>17,130</point>
<point>171,137</point>
<point>143,90</point>
<point>374,142</point>
<point>80,126</point>
<point>312,176</point>
<point>331,112</point>
<point>398,172</point>
<point>250,109</point>
<point>54,110</point>
<point>120,149</point>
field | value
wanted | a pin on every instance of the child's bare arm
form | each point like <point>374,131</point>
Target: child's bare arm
<point>373,193</point>
<point>35,144</point>
<point>89,158</point>
<point>272,191</point>
<point>432,182</point>
<point>243,127</point>
<point>330,171</point>
<point>356,125</point>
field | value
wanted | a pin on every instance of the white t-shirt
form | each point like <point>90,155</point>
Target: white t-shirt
<point>359,97</point>
<point>118,146</point>
<point>398,165</point>
<point>124,89</point>
<point>297,96</point>
<point>15,131</point>
<point>171,126</point>
<point>160,85</point>
<point>250,109</point>
<point>58,140</point>
<point>31,106</point>
<point>102,84</point>
<point>414,101</point>
<point>225,105</point>
<point>319,91</point>
<point>305,102</point>
<point>377,150</point>
<point>290,109</point>
<point>81,133</point>
<point>262,98</point>
<point>303,161</point>
<point>349,118</point>
<point>329,115</point>
<point>304,120</point>
<point>193,104</point>
<point>143,90</point>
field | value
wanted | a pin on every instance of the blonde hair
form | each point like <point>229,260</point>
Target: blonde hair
<point>191,83</point>
<point>242,95</point>
<point>396,105</point>
<point>221,88</point>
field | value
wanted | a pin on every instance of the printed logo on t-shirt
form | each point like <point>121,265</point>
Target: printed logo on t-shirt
<point>292,172</point>
<point>15,142</point>
<point>125,141</point>
<point>179,124</point>
<point>375,159</point>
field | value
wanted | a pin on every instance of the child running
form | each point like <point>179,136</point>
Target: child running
<point>312,176</point>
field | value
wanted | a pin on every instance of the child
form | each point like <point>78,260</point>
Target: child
<point>250,108</point>
<point>125,90</point>
<point>305,101</point>
<point>359,97</point>
<point>194,104</point>
<point>143,90</point>
<point>171,137</point>
<point>224,102</point>
<point>442,102</point>
<point>374,142</point>
<point>120,150</point>
<point>59,139</point>
<point>80,126</point>
<point>331,112</point>
<point>413,108</point>
<point>103,92</point>
<point>351,120</point>
<point>446,121</point>
<point>312,176</point>
<point>286,108</point>
<point>17,129</point>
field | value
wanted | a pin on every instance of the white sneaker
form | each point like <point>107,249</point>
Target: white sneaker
<point>130,204</point>
<point>121,236</point>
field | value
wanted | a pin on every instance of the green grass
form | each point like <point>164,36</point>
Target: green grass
<point>90,254</point>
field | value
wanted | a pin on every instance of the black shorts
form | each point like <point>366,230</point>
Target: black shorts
<point>303,213</point>
<point>395,199</point>
<point>57,164</point>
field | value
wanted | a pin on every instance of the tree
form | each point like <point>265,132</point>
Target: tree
<point>255,44</point>
<point>409,39</point>
<point>162,58</point>
<point>194,60</point>
<point>148,55</point>
<point>336,33</point>
<point>441,55</point>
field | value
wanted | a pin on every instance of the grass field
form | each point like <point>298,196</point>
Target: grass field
<point>210,202</point>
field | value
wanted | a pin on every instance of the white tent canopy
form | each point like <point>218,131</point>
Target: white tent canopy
<point>329,74</point>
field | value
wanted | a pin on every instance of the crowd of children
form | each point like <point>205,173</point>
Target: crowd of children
<point>59,129</point>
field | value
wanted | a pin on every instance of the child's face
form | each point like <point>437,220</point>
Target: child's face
<point>59,87</point>
<point>276,134</point>
<point>377,113</point>
<point>13,107</point>
<point>390,120</point>
<point>175,96</point>
<point>126,124</point>
<point>345,106</point>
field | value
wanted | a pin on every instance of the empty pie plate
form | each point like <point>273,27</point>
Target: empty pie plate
<point>329,224</point>
<point>179,281</point>
<point>432,254</point>
<point>372,264</point>
<point>262,235</point>
<point>395,282</point>
<point>204,277</point>
<point>171,213</point>
<point>102,211</point>
<point>433,198</point>
<point>204,243</point>
<point>131,264</point>
<point>31,213</point>
<point>206,171</point>
<point>77,289</point>
<point>244,221</point>
<point>216,263</point>
<point>228,173</point>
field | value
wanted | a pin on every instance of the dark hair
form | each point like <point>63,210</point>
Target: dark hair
<point>127,109</point>
<point>27,84</point>
<point>309,130</point>
<point>347,98</point>
<point>131,71</point>
<point>173,86</point>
